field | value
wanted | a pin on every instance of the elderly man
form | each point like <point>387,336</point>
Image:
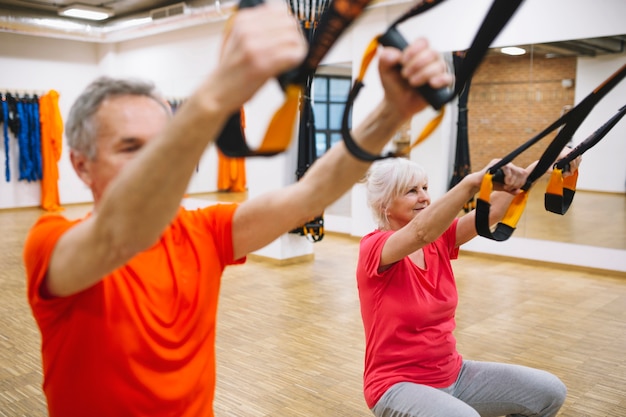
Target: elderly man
<point>126,298</point>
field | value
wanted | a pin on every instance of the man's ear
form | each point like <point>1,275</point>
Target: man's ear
<point>82,166</point>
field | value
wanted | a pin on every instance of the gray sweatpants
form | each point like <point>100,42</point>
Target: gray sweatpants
<point>483,389</point>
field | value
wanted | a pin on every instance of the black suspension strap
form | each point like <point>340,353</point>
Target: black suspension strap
<point>308,14</point>
<point>333,21</point>
<point>462,165</point>
<point>499,14</point>
<point>560,190</point>
<point>569,123</point>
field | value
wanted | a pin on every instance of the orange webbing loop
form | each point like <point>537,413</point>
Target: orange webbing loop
<point>558,183</point>
<point>506,227</point>
<point>280,130</point>
<point>560,191</point>
<point>426,132</point>
<point>569,182</point>
<point>516,209</point>
<point>486,187</point>
<point>368,55</point>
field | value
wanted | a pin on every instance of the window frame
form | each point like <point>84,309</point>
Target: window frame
<point>328,102</point>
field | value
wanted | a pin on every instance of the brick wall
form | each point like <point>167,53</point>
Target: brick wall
<point>511,99</point>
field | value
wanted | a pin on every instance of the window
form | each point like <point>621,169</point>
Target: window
<point>330,93</point>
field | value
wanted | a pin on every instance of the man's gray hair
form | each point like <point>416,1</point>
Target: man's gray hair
<point>81,128</point>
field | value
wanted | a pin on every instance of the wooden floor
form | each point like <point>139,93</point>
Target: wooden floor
<point>290,341</point>
<point>593,219</point>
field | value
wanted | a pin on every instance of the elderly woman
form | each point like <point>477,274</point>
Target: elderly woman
<point>408,301</point>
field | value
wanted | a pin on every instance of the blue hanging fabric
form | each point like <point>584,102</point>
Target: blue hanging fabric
<point>35,138</point>
<point>5,129</point>
<point>20,116</point>
<point>25,164</point>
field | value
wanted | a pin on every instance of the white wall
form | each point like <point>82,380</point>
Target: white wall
<point>33,64</point>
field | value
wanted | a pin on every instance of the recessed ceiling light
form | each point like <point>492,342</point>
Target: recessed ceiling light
<point>513,50</point>
<point>84,11</point>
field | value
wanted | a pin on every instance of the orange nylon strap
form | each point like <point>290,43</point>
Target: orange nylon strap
<point>486,187</point>
<point>515,210</point>
<point>426,132</point>
<point>368,55</point>
<point>280,130</point>
<point>560,191</point>
<point>506,227</point>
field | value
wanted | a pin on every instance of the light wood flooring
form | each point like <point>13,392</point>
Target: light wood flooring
<point>290,341</point>
<point>593,219</point>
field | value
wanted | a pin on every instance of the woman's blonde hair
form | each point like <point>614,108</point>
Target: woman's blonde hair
<point>387,180</point>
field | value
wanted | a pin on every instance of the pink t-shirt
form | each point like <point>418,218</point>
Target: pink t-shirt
<point>408,316</point>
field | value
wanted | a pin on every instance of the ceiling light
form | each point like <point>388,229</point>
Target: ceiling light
<point>83,11</point>
<point>513,50</point>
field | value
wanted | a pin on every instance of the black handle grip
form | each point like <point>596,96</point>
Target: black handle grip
<point>289,77</point>
<point>498,176</point>
<point>244,4</point>
<point>435,97</point>
<point>563,165</point>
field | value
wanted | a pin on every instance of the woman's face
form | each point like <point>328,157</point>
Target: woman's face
<point>409,204</point>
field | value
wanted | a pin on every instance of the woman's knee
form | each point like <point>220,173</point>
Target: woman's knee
<point>555,393</point>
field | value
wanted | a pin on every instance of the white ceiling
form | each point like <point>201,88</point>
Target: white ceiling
<point>137,18</point>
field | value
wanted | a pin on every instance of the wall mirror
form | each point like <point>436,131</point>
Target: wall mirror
<point>511,99</point>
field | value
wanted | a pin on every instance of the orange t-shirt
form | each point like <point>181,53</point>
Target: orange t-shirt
<point>141,342</point>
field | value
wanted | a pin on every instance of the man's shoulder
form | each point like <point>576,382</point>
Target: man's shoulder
<point>48,222</point>
<point>48,228</point>
<point>194,208</point>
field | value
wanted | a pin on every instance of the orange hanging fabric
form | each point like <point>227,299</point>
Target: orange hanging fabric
<point>51,148</point>
<point>231,172</point>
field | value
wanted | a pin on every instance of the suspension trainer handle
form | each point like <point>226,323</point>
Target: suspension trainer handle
<point>561,190</point>
<point>246,4</point>
<point>569,123</point>
<point>333,22</point>
<point>437,98</point>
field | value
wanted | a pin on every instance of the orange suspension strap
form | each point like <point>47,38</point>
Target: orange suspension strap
<point>560,191</point>
<point>333,21</point>
<point>570,123</point>
<point>497,17</point>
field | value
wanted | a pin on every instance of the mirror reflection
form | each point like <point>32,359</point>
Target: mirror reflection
<point>514,97</point>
